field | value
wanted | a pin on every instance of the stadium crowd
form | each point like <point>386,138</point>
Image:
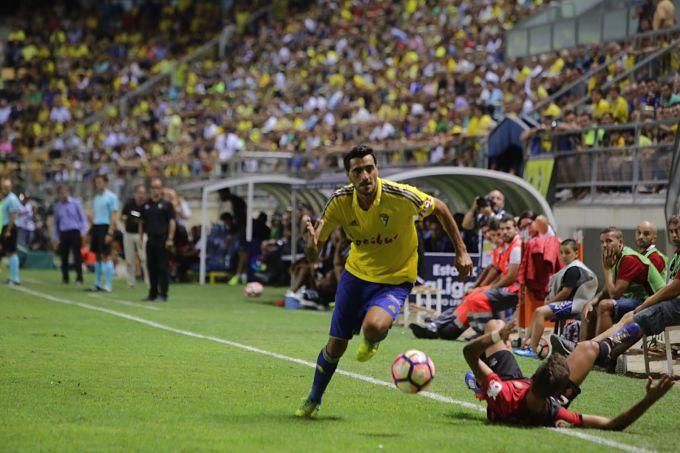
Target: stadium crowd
<point>426,76</point>
<point>66,62</point>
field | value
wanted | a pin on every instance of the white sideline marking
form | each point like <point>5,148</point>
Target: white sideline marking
<point>125,302</point>
<point>361,377</point>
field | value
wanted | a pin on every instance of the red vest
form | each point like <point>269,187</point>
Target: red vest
<point>505,260</point>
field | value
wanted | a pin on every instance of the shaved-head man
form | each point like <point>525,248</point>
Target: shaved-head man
<point>645,239</point>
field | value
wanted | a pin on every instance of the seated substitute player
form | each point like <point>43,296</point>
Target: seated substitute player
<point>645,239</point>
<point>377,216</point>
<point>629,278</point>
<point>513,399</point>
<point>657,312</point>
<point>570,289</point>
<point>480,306</point>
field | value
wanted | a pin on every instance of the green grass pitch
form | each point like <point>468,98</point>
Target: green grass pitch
<point>73,379</point>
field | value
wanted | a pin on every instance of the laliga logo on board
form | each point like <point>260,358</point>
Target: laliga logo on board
<point>444,270</point>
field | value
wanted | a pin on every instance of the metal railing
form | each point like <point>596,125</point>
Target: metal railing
<point>652,66</point>
<point>597,168</point>
<point>659,39</point>
<point>558,28</point>
<point>80,178</point>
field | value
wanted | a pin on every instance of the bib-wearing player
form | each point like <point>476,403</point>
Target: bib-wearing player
<point>658,311</point>
<point>645,239</point>
<point>377,216</point>
<point>629,278</point>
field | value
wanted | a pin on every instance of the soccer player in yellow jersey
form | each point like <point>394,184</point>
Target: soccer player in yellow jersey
<point>377,215</point>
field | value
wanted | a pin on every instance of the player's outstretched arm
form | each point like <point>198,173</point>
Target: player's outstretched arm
<point>463,261</point>
<point>312,242</point>
<point>474,349</point>
<point>655,391</point>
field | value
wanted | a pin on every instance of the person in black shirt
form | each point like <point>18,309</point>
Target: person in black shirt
<point>132,240</point>
<point>158,221</point>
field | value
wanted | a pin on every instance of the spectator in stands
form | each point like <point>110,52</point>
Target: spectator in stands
<point>132,241</point>
<point>668,97</point>
<point>618,106</point>
<point>664,16</point>
<point>645,15</point>
<point>570,289</point>
<point>600,104</point>
<point>70,225</point>
<point>645,239</point>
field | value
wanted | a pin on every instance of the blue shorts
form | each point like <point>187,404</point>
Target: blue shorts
<point>355,297</point>
<point>623,306</point>
<point>562,310</point>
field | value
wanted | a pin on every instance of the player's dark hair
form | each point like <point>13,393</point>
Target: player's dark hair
<point>570,243</point>
<point>674,220</point>
<point>508,218</point>
<point>358,151</point>
<point>551,378</point>
<point>494,224</point>
<point>612,229</point>
<point>103,177</point>
<point>527,215</point>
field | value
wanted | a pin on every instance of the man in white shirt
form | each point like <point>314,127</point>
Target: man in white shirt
<point>59,113</point>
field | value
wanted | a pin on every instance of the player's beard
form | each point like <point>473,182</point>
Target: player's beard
<point>367,188</point>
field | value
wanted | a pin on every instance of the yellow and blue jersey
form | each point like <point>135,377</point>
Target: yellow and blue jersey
<point>384,239</point>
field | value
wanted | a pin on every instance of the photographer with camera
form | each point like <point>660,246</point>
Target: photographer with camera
<point>483,209</point>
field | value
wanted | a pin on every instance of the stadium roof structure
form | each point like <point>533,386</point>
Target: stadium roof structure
<point>458,186</point>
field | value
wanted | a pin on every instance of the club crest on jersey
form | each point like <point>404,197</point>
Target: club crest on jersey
<point>354,223</point>
<point>384,218</point>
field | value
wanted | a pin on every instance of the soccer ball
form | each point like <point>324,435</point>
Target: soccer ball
<point>253,289</point>
<point>543,348</point>
<point>412,371</point>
